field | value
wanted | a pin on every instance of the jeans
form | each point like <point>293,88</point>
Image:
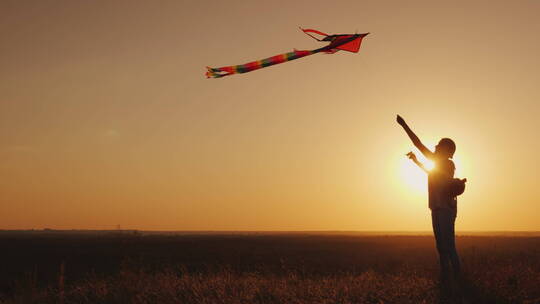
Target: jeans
<point>443,220</point>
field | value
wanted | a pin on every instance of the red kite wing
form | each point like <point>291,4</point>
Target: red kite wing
<point>351,46</point>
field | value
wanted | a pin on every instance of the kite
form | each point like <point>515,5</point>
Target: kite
<point>342,42</point>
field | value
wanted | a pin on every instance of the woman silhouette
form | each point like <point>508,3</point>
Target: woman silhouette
<point>443,203</point>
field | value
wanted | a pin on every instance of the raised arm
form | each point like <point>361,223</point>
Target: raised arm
<point>416,141</point>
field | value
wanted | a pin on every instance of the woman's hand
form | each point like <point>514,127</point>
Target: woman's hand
<point>411,156</point>
<point>400,120</point>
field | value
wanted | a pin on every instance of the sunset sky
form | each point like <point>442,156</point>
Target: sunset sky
<point>106,117</point>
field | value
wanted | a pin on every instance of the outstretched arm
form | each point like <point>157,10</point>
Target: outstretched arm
<point>416,141</point>
<point>419,164</point>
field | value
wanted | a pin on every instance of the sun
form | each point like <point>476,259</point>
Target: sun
<point>414,177</point>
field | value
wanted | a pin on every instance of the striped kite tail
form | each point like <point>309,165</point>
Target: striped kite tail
<point>213,73</point>
<point>255,65</point>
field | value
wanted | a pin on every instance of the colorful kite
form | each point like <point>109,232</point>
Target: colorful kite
<point>345,42</point>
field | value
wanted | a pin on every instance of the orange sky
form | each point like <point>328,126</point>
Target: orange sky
<point>106,117</point>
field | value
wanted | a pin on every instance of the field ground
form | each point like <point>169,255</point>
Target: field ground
<point>136,267</point>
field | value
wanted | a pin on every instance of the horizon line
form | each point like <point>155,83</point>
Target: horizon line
<point>372,232</point>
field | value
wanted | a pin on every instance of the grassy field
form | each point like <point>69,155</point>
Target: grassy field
<point>134,267</point>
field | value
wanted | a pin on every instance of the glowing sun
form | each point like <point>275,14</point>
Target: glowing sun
<point>414,177</point>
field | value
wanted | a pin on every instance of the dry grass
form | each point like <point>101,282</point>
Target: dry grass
<point>227,287</point>
<point>321,269</point>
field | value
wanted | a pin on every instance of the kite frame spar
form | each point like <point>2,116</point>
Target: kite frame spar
<point>343,42</point>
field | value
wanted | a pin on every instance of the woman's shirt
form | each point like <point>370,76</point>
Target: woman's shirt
<point>438,179</point>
